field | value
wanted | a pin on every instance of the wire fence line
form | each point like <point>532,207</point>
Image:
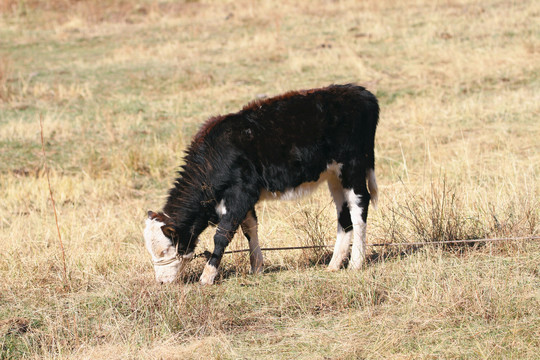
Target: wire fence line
<point>402,244</point>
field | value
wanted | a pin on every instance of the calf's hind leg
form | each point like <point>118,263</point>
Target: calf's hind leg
<point>358,200</point>
<point>357,197</point>
<point>249,227</point>
<point>344,224</point>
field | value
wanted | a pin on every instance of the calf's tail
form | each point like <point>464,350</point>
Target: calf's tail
<point>372,187</point>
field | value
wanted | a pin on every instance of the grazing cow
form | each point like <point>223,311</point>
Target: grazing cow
<point>278,148</point>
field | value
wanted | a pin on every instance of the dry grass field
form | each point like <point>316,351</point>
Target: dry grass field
<point>121,86</point>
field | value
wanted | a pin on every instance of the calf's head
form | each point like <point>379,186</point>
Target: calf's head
<point>163,243</point>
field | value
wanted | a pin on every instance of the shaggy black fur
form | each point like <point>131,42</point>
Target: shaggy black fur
<point>274,145</point>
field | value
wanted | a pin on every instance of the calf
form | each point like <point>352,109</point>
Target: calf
<point>278,148</point>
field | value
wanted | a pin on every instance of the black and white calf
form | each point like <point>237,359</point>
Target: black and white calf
<point>277,148</point>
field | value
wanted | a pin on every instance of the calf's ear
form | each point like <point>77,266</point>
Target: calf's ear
<point>169,231</point>
<point>151,214</point>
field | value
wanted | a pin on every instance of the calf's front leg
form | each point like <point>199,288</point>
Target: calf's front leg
<point>223,236</point>
<point>233,209</point>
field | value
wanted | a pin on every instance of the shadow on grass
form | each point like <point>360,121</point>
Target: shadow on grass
<point>306,261</point>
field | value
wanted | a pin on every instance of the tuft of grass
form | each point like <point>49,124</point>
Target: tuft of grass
<point>443,215</point>
<point>438,216</point>
<point>313,230</point>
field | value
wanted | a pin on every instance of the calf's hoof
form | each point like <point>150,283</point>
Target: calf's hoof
<point>208,275</point>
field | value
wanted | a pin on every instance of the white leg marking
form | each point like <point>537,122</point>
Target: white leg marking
<point>249,227</point>
<point>208,275</point>
<point>341,249</point>
<point>359,230</point>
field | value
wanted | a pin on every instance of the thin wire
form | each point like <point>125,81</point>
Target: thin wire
<point>531,237</point>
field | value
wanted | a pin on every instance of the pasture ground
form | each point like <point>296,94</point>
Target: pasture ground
<point>122,86</point>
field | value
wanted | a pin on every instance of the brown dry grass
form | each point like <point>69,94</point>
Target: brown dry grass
<point>123,85</point>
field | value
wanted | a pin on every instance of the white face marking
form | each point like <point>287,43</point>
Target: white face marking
<point>220,208</point>
<point>161,248</point>
<point>154,239</point>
